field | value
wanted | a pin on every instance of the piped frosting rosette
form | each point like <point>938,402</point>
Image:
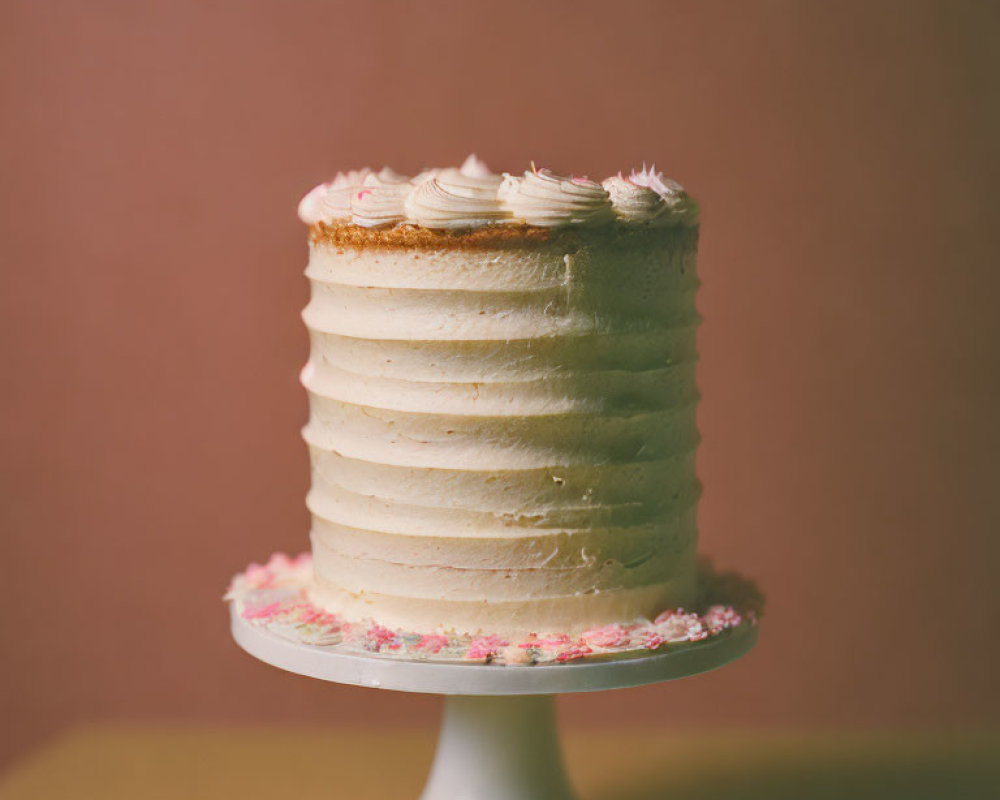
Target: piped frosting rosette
<point>471,196</point>
<point>549,201</point>
<point>456,198</point>
<point>646,196</point>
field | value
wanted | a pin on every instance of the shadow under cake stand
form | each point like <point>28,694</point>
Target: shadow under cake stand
<point>498,737</point>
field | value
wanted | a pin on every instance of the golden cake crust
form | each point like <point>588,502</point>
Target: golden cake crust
<point>414,237</point>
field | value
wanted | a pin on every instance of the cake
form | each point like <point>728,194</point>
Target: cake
<point>502,399</point>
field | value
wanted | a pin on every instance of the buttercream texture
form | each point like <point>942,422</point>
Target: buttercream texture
<point>471,196</point>
<point>502,435</point>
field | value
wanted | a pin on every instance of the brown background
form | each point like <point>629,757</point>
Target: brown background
<point>152,156</point>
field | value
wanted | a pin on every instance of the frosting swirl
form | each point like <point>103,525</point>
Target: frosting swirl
<point>632,202</point>
<point>331,202</point>
<point>683,210</point>
<point>473,196</point>
<point>548,200</point>
<point>381,199</point>
<point>456,198</point>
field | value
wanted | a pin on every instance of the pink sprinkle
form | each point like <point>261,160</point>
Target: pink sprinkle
<point>485,647</point>
<point>549,642</point>
<point>262,612</point>
<point>577,650</point>
<point>719,618</point>
<point>310,615</point>
<point>363,192</point>
<point>253,590</point>
<point>432,643</point>
<point>377,637</point>
<point>608,636</point>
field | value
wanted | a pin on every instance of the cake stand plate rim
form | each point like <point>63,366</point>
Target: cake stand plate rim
<point>334,664</point>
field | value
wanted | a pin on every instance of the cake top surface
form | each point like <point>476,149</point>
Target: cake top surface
<point>471,197</point>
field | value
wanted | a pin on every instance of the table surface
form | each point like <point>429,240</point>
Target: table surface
<point>625,764</point>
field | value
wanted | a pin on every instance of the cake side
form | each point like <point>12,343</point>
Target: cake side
<point>502,424</point>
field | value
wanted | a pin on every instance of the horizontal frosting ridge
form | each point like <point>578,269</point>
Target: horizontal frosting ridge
<point>504,435</point>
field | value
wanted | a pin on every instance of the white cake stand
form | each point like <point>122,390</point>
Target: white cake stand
<point>498,738</point>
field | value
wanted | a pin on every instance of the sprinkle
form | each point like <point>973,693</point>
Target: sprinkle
<point>432,643</point>
<point>550,642</point>
<point>377,637</point>
<point>310,615</point>
<point>577,650</point>
<point>485,647</point>
<point>276,595</point>
<point>262,612</point>
<point>608,636</point>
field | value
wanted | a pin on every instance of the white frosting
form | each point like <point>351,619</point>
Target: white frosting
<point>683,210</point>
<point>454,198</point>
<point>331,202</point>
<point>548,200</point>
<point>632,202</point>
<point>475,167</point>
<point>381,199</point>
<point>472,196</point>
<point>503,438</point>
<point>385,177</point>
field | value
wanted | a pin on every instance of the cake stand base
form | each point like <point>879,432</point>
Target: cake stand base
<point>498,748</point>
<point>498,738</point>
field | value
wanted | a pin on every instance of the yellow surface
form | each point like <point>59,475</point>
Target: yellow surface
<point>111,763</point>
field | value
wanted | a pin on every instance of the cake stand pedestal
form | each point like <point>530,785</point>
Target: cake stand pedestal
<point>498,738</point>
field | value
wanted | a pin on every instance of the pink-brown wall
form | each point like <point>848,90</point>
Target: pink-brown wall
<point>152,156</point>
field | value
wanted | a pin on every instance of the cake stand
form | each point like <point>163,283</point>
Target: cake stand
<point>498,738</point>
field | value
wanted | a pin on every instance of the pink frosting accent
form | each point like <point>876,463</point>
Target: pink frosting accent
<point>719,618</point>
<point>485,647</point>
<point>608,636</point>
<point>277,594</point>
<point>378,637</point>
<point>310,615</point>
<point>578,650</point>
<point>548,643</point>
<point>432,643</point>
<point>269,611</point>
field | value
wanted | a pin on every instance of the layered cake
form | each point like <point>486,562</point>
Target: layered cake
<point>502,399</point>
